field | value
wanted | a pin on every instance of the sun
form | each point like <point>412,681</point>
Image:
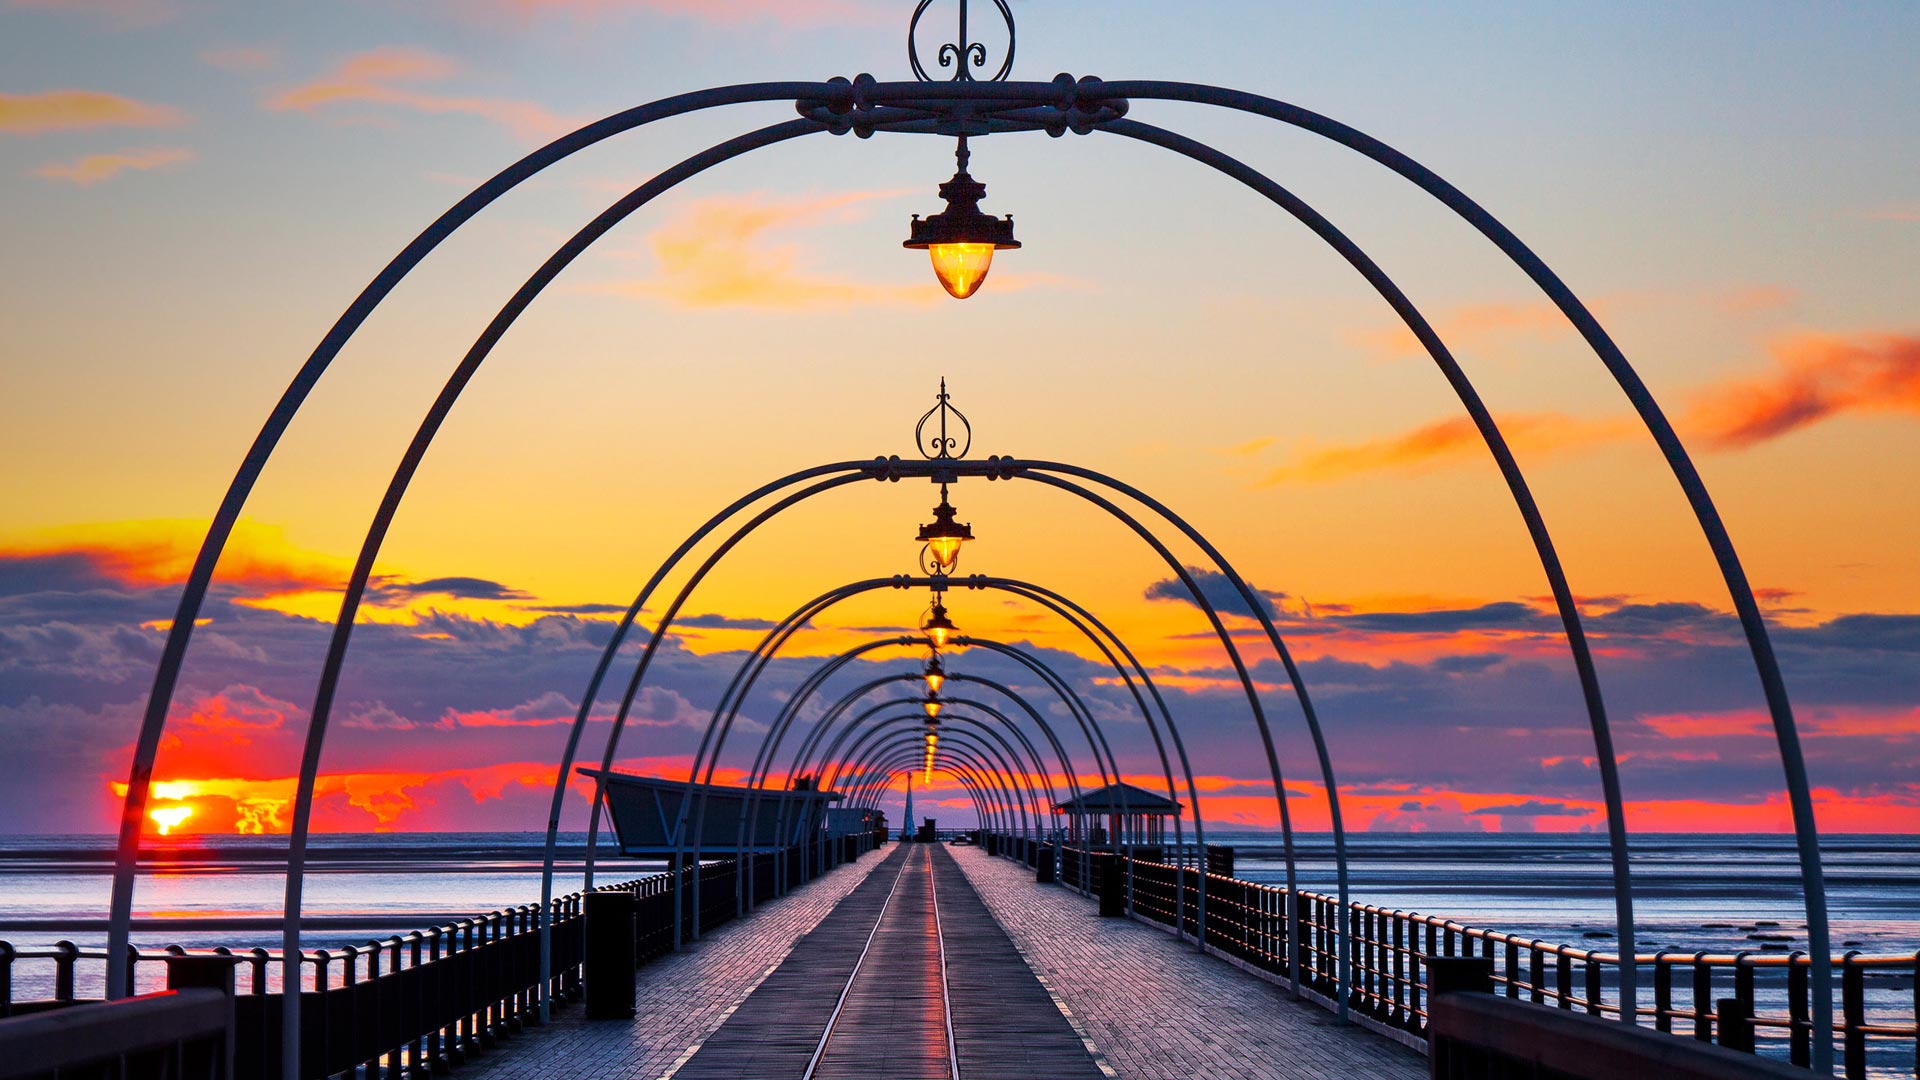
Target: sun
<point>169,817</point>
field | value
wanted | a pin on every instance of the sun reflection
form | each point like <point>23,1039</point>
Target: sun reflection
<point>169,817</point>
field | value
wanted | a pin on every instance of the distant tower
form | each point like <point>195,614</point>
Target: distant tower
<point>906,827</point>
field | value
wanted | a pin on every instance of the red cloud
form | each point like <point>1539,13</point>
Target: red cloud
<point>1447,440</point>
<point>1817,376</point>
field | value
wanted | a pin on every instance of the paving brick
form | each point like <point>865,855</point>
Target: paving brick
<point>1152,1008</point>
<point>682,998</point>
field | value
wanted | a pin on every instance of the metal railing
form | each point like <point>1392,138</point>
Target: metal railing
<point>1755,1001</point>
<point>430,999</point>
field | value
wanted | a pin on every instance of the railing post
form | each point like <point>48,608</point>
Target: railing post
<point>1702,998</point>
<point>1800,1029</point>
<point>6,979</point>
<point>1853,1011</point>
<point>65,953</point>
<point>608,957</point>
<point>1458,975</point>
<point>1736,1024</point>
<point>1663,992</point>
<point>208,973</point>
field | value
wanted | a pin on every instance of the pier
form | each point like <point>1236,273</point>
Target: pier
<point>1103,710</point>
<point>936,962</point>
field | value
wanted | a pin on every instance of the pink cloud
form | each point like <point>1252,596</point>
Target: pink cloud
<point>93,168</point>
<point>386,77</point>
<point>80,110</point>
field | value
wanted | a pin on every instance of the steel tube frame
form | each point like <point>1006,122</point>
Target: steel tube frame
<point>964,749</point>
<point>769,746</point>
<point>898,757</point>
<point>850,105</point>
<point>1019,788</point>
<point>859,694</point>
<point>1033,757</point>
<point>780,633</point>
<point>803,754</point>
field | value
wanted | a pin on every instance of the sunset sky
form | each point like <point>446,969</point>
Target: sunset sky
<point>194,190</point>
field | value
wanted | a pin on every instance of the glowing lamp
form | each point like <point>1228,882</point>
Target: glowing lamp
<point>936,675</point>
<point>938,628</point>
<point>933,705</point>
<point>960,239</point>
<point>943,535</point>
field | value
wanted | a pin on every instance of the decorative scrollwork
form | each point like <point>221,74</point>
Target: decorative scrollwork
<point>941,447</point>
<point>964,54</point>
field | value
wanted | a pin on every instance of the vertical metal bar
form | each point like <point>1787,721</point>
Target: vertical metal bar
<point>64,954</point>
<point>1799,1028</point>
<point>1853,1011</point>
<point>1662,992</point>
<point>1702,998</point>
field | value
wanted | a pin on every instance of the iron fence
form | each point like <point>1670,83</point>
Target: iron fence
<point>427,1000</point>
<point>1755,1001</point>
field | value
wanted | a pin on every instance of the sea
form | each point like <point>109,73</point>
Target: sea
<point>1720,893</point>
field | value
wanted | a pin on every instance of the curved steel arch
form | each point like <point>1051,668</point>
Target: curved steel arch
<point>758,778</point>
<point>999,798</point>
<point>859,98</point>
<point>963,745</point>
<point>763,653</point>
<point>899,755</point>
<point>1053,601</point>
<point>758,775</point>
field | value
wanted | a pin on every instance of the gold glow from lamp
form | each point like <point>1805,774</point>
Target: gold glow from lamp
<point>936,674</point>
<point>938,628</point>
<point>943,535</point>
<point>960,239</point>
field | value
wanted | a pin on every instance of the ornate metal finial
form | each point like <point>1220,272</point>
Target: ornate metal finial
<point>941,447</point>
<point>962,53</point>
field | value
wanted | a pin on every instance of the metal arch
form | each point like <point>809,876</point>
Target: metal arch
<point>962,754</point>
<point>736,690</point>
<point>833,754</point>
<point>1033,714</point>
<point>964,744</point>
<point>220,529</point>
<point>763,653</point>
<point>1517,489</point>
<point>592,693</point>
<point>1044,777</point>
<point>865,93</point>
<point>903,753</point>
<point>1679,462</point>
<point>981,802</point>
<point>840,764</point>
<point>803,753</point>
<point>757,776</point>
<point>1345,980</point>
<point>1056,682</point>
<point>390,504</point>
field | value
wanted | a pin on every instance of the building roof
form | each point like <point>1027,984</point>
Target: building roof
<point>1111,800</point>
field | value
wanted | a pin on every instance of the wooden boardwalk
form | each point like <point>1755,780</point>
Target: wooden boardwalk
<point>910,978</point>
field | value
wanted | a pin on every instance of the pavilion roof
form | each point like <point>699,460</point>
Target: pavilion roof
<point>1110,800</point>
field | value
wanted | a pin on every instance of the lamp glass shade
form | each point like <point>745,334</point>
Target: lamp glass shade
<point>961,267</point>
<point>945,550</point>
<point>933,706</point>
<point>934,681</point>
